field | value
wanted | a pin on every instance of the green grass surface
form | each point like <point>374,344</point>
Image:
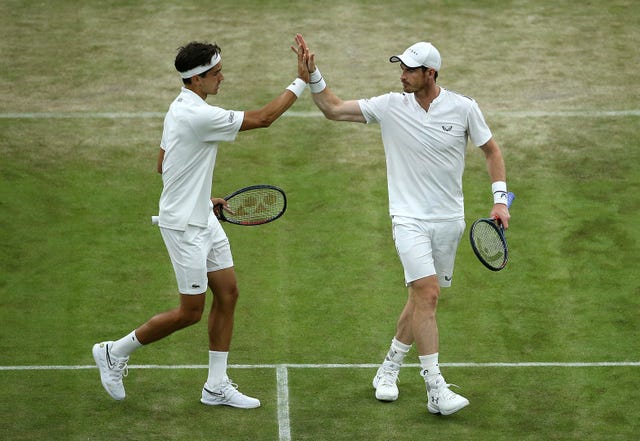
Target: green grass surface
<point>80,262</point>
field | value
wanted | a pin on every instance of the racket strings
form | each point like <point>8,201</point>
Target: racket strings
<point>489,244</point>
<point>259,205</point>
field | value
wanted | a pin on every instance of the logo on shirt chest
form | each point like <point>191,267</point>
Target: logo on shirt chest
<point>447,128</point>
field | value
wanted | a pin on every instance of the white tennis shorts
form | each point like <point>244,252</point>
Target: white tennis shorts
<point>427,248</point>
<point>195,252</point>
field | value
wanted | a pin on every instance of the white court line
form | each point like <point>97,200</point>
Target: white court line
<point>284,425</point>
<point>331,366</point>
<point>282,375</point>
<point>317,114</point>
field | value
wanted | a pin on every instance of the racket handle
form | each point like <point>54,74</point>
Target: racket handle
<point>510,198</point>
<point>154,220</point>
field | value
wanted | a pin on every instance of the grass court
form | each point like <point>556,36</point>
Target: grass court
<point>547,349</point>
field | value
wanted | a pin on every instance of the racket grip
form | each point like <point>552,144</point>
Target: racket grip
<point>510,198</point>
<point>154,220</point>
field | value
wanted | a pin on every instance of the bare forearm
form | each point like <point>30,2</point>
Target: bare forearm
<point>496,167</point>
<point>327,102</point>
<point>335,109</point>
<point>498,175</point>
<point>495,161</point>
<point>269,113</point>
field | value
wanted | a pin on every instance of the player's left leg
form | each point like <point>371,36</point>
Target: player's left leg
<point>224,286</point>
<point>219,389</point>
<point>426,292</point>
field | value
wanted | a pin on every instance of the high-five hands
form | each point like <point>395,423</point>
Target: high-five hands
<point>303,58</point>
<point>309,57</point>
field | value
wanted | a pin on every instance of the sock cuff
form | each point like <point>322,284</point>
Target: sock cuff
<point>399,346</point>
<point>429,360</point>
<point>126,345</point>
<point>430,366</point>
<point>217,367</point>
<point>218,355</point>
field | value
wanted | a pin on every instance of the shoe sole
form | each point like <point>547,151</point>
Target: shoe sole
<point>253,406</point>
<point>449,412</point>
<point>387,399</point>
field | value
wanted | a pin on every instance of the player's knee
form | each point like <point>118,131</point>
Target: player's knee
<point>429,299</point>
<point>425,296</point>
<point>228,297</point>
<point>189,317</point>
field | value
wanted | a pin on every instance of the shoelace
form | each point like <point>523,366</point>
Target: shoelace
<point>445,392</point>
<point>118,367</point>
<point>389,376</point>
<point>230,388</point>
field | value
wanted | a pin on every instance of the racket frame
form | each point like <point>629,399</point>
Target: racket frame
<point>500,231</point>
<point>220,210</point>
<point>497,226</point>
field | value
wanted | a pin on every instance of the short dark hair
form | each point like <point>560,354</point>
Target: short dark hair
<point>435,77</point>
<point>424,69</point>
<point>195,54</point>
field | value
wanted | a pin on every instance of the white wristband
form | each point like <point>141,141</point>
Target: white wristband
<point>499,189</point>
<point>316,82</point>
<point>297,87</point>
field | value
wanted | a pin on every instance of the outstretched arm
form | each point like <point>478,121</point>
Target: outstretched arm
<point>254,119</point>
<point>328,102</point>
<point>335,109</point>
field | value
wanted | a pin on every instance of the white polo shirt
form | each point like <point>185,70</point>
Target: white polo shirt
<point>425,151</point>
<point>192,130</point>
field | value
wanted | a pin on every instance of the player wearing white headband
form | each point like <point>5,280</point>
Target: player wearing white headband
<point>425,130</point>
<point>197,244</point>
<point>215,59</point>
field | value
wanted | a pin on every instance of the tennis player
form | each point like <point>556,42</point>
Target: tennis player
<point>424,132</point>
<point>197,244</point>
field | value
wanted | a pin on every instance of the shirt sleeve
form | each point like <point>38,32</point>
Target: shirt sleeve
<point>373,109</point>
<point>479,131</point>
<point>217,124</point>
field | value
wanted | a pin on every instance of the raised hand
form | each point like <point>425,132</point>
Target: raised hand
<point>310,57</point>
<point>303,70</point>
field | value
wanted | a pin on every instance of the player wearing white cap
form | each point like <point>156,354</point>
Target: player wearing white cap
<point>424,132</point>
<point>197,244</point>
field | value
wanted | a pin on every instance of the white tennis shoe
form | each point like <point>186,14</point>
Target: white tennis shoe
<point>385,381</point>
<point>440,399</point>
<point>112,369</point>
<point>226,393</point>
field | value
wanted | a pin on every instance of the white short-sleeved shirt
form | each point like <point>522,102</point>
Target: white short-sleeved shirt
<point>425,151</point>
<point>192,130</point>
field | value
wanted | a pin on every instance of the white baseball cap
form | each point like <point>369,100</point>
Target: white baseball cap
<point>420,54</point>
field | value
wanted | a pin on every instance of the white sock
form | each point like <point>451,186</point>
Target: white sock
<point>126,345</point>
<point>397,351</point>
<point>217,367</point>
<point>430,367</point>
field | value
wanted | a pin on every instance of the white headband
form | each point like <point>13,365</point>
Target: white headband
<point>203,68</point>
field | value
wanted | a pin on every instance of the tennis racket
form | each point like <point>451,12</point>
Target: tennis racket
<point>488,241</point>
<point>249,206</point>
<point>254,205</point>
